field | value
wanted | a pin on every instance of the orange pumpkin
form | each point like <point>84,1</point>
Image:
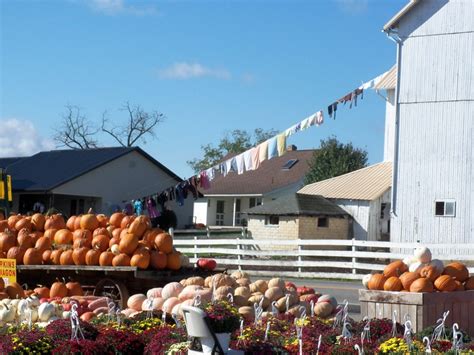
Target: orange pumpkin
<point>100,242</point>
<point>396,268</point>
<point>12,220</point>
<point>35,236</point>
<point>113,241</point>
<point>7,240</point>
<point>24,223</point>
<point>376,282</point>
<point>66,258</point>
<point>158,260</point>
<point>164,243</point>
<point>89,221</point>
<point>116,219</point>
<point>422,285</point>
<point>14,290</point>
<point>77,222</point>
<point>25,240</point>
<point>139,226</point>
<point>393,283</point>
<point>123,233</point>
<point>101,230</point>
<point>42,292</point>
<point>430,272</point>
<point>74,289</point>
<point>126,220</point>
<point>49,233</point>
<point>43,244</point>
<point>116,233</point>
<point>56,256</point>
<point>103,220</point>
<point>46,256</point>
<point>55,221</point>
<point>82,237</point>
<point>16,253</point>
<point>469,284</point>
<point>70,223</point>
<point>407,279</point>
<point>79,255</point>
<point>38,220</point>
<point>128,244</point>
<point>457,270</point>
<point>459,286</point>
<point>92,257</point>
<point>63,236</point>
<point>445,283</point>
<point>141,260</point>
<point>121,260</point>
<point>58,289</point>
<point>173,261</point>
<point>32,256</point>
<point>106,258</point>
<point>151,234</point>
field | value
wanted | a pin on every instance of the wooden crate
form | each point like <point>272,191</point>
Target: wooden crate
<point>423,308</point>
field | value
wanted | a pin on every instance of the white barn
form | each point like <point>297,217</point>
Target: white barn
<point>433,163</point>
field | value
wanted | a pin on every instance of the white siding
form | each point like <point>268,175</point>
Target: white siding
<point>436,142</point>
<point>200,211</point>
<point>360,212</point>
<point>389,126</point>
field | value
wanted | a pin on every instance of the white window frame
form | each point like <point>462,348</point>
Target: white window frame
<point>445,201</point>
<point>220,215</point>
<point>271,225</point>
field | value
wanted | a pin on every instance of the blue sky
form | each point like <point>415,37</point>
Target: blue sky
<point>209,66</point>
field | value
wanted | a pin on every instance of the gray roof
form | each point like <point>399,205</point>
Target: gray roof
<point>299,205</point>
<point>47,170</point>
<point>4,162</point>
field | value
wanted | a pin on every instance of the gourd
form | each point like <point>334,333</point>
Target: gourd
<point>408,278</point>
<point>7,314</point>
<point>45,311</point>
<point>457,270</point>
<point>172,289</point>
<point>135,301</point>
<point>188,292</point>
<point>221,293</point>
<point>422,285</point>
<point>243,282</point>
<point>239,275</point>
<point>395,268</point>
<point>430,272</point>
<point>445,283</point>
<point>438,265</point>
<point>422,254</point>
<point>323,309</point>
<point>219,280</point>
<point>255,298</point>
<point>393,283</point>
<point>115,249</point>
<point>153,304</point>
<point>376,282</point>
<point>138,226</point>
<point>242,291</point>
<point>258,286</point>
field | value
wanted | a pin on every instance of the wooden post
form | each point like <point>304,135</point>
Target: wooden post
<point>354,260</point>
<point>299,256</point>
<point>239,257</point>
<point>195,248</point>
<point>234,212</point>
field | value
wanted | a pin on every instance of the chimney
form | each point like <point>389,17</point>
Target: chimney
<point>291,148</point>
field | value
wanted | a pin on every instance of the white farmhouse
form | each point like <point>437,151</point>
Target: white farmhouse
<point>433,160</point>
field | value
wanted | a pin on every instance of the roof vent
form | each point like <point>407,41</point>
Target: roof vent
<point>289,164</point>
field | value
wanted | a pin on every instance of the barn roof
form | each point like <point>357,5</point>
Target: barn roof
<point>299,205</point>
<point>398,16</point>
<point>47,170</point>
<point>364,184</point>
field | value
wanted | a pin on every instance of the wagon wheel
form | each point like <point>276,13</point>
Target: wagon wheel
<point>113,289</point>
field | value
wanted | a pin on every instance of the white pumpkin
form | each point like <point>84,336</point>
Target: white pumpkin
<point>115,249</point>
<point>416,267</point>
<point>7,314</point>
<point>46,311</point>
<point>409,260</point>
<point>172,289</point>
<point>33,312</point>
<point>422,254</point>
<point>438,265</point>
<point>154,292</point>
<point>365,280</point>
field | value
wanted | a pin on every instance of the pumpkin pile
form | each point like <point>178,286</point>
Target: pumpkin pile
<point>89,239</point>
<point>274,295</point>
<point>421,273</point>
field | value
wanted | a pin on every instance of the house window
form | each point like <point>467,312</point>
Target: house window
<point>272,220</point>
<point>323,222</point>
<point>445,208</point>
<point>220,213</point>
<point>73,207</point>
<point>81,206</point>
<point>238,220</point>
<point>255,201</point>
<point>383,206</point>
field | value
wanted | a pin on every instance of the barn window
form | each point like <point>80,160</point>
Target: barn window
<point>323,222</point>
<point>272,220</point>
<point>445,208</point>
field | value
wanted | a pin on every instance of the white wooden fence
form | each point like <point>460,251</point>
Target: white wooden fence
<point>345,259</point>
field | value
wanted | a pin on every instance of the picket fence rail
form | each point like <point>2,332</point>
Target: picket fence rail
<point>325,258</point>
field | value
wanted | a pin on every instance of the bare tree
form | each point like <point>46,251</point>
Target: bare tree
<point>75,131</point>
<point>139,124</point>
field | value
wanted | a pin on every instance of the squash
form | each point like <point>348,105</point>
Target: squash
<point>82,237</point>
<point>422,285</point>
<point>92,257</point>
<point>100,242</point>
<point>239,275</point>
<point>219,280</point>
<point>274,293</point>
<point>173,261</point>
<point>393,283</point>
<point>407,279</point>
<point>365,280</point>
<point>24,240</point>
<point>240,301</point>
<point>66,258</point>
<point>395,268</point>
<point>277,282</point>
<point>164,243</point>
<point>154,292</point>
<point>138,227</point>
<point>70,223</point>
<point>74,289</point>
<point>243,282</point>
<point>430,272</point>
<point>116,219</point>
<point>106,258</point>
<point>24,223</point>
<point>189,292</point>
<point>281,303</point>
<point>422,254</point>
<point>58,289</point>
<point>469,284</point>
<point>242,291</point>
<point>135,301</point>
<point>257,298</point>
<point>63,236</point>
<point>457,270</point>
<point>416,267</point>
<point>158,260</point>
<point>79,256</point>
<point>195,280</point>
<point>42,292</point>
<point>222,293</point>
<point>328,299</point>
<point>247,313</point>
<point>121,260</point>
<point>128,244</point>
<point>377,281</point>
<point>126,221</point>
<point>310,297</point>
<point>103,220</point>
<point>445,283</point>
<point>323,309</point>
<point>438,265</point>
<point>12,220</point>
<point>258,286</point>
<point>169,304</point>
<point>172,289</point>
<point>33,256</point>
<point>49,233</point>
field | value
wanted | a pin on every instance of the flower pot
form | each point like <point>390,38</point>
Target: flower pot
<point>208,343</point>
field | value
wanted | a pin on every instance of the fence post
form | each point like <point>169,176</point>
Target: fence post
<point>299,255</point>
<point>195,247</point>
<point>354,260</point>
<point>239,257</point>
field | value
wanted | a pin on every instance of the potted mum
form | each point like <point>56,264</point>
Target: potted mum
<point>223,319</point>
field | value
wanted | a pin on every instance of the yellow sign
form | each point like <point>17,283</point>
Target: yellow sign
<point>9,187</point>
<point>8,270</point>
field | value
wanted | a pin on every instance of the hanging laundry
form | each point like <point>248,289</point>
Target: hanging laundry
<point>255,155</point>
<point>231,165</point>
<point>179,195</point>
<point>138,206</point>
<point>239,163</point>
<point>192,189</point>
<point>305,123</point>
<point>151,208</point>
<point>319,118</point>
<point>211,173</point>
<point>332,108</point>
<point>263,152</point>
<point>272,147</point>
<point>281,143</point>
<point>223,169</point>
<point>293,129</point>
<point>204,180</point>
<point>161,199</point>
<point>356,93</point>
<point>128,209</point>
<point>248,160</point>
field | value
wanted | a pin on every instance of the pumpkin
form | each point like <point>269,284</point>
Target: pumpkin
<point>276,282</point>
<point>457,270</point>
<point>173,261</point>
<point>422,285</point>
<point>206,264</point>
<point>407,279</point>
<point>55,256</point>
<point>469,284</point>
<point>92,257</point>
<point>243,282</point>
<point>189,292</point>
<point>222,293</point>
<point>24,223</point>
<point>66,258</point>
<point>164,243</point>
<point>114,241</point>
<point>116,233</point>
<point>195,280</point>
<point>14,290</point>
<point>219,280</point>
<point>126,221</point>
<point>205,295</point>
<point>70,223</point>
<point>154,304</point>
<point>242,291</point>
<point>43,244</point>
<point>438,265</point>
<point>103,220</point>
<point>116,219</point>
<point>430,272</point>
<point>154,292</point>
<point>258,286</point>
<point>123,233</point>
<point>135,301</point>
<point>101,242</point>
<point>106,258</point>
<point>42,292</point>
<point>58,289</point>
<point>128,244</point>
<point>395,268</point>
<point>115,249</point>
<point>274,293</point>
<point>35,236</point>
<point>416,267</point>
<point>247,313</point>
<point>240,301</point>
<point>377,281</point>
<point>138,226</point>
<point>24,240</point>
<point>38,220</point>
<point>445,283</point>
<point>49,233</point>
<point>459,286</point>
<point>257,298</point>
<point>393,283</point>
<point>79,255</point>
<point>12,220</point>
<point>171,289</point>
<point>63,236</point>
<point>310,297</point>
<point>16,253</point>
<point>89,221</point>
<point>55,221</point>
<point>304,290</point>
<point>208,281</point>
<point>121,260</point>
<point>141,260</point>
<point>239,275</point>
<point>7,240</point>
<point>33,256</point>
<point>365,280</point>
<point>77,222</point>
<point>46,256</point>
<point>74,289</point>
<point>422,254</point>
<point>328,299</point>
<point>101,230</point>
<point>83,235</point>
<point>151,234</point>
<point>323,309</point>
<point>169,304</point>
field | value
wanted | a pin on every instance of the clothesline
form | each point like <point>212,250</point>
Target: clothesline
<point>252,158</point>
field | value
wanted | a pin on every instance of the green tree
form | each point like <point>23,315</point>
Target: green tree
<point>236,141</point>
<point>334,158</point>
